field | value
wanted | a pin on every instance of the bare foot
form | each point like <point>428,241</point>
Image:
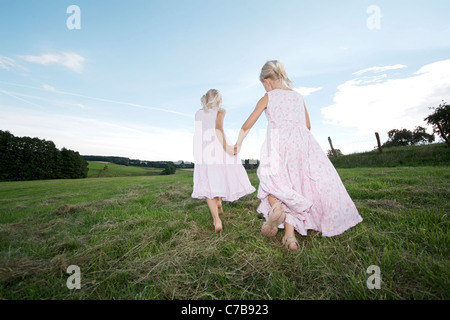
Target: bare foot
<point>218,225</point>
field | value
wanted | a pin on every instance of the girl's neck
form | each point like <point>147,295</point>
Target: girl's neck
<point>278,85</point>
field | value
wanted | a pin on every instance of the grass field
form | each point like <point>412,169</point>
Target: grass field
<point>144,237</point>
<point>102,170</point>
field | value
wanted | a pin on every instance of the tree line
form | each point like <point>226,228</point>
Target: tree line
<point>25,158</point>
<point>439,119</point>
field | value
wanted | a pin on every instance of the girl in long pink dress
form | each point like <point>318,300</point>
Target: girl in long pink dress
<point>299,187</point>
<point>218,172</point>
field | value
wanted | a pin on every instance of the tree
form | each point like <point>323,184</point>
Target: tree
<point>405,137</point>
<point>6,157</point>
<point>398,137</point>
<point>420,136</point>
<point>72,165</point>
<point>25,158</point>
<point>169,169</point>
<point>440,120</point>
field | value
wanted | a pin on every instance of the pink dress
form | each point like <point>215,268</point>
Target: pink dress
<point>294,169</point>
<point>216,173</point>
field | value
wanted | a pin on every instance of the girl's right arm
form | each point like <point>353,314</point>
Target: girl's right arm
<point>254,116</point>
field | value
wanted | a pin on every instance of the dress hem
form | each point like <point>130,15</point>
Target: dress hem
<point>235,197</point>
<point>303,231</point>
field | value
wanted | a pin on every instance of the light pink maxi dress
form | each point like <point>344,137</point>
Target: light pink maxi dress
<point>294,169</point>
<point>216,173</point>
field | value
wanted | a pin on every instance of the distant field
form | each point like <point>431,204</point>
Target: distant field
<point>97,169</point>
<point>144,237</point>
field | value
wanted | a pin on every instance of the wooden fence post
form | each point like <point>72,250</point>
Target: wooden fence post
<point>332,149</point>
<point>378,142</point>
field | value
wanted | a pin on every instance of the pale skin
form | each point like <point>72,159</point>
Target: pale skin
<point>269,85</point>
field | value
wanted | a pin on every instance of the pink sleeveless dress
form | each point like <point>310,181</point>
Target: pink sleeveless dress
<point>294,169</point>
<point>216,173</point>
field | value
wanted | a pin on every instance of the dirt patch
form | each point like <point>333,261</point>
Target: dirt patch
<point>15,269</point>
<point>173,193</point>
<point>65,210</point>
<point>385,204</point>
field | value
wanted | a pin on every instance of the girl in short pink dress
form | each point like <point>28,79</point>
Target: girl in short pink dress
<point>218,175</point>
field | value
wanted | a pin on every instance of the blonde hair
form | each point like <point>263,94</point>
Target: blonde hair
<point>274,70</point>
<point>212,98</point>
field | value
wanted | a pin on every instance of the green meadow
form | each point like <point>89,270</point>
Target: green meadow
<point>136,234</point>
<point>99,169</point>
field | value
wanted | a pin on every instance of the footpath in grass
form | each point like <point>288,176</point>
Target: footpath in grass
<point>144,237</point>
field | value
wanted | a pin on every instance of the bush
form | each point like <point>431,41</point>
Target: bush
<point>169,169</point>
<point>405,137</point>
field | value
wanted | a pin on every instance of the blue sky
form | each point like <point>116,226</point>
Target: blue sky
<point>129,81</point>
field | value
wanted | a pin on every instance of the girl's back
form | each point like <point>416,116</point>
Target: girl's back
<point>207,118</point>
<point>205,139</point>
<point>285,108</point>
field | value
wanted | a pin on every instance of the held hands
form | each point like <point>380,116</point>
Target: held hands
<point>229,150</point>
<point>232,151</point>
<point>237,149</point>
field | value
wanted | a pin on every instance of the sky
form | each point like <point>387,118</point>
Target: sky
<point>125,78</point>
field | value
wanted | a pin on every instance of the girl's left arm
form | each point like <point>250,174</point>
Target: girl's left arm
<point>308,122</point>
<point>254,116</point>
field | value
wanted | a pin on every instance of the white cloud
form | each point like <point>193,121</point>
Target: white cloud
<point>9,64</point>
<point>71,60</point>
<point>307,91</point>
<point>48,87</point>
<point>379,105</point>
<point>379,69</point>
<point>80,105</point>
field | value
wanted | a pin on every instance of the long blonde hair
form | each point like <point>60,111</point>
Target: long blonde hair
<point>274,70</point>
<point>212,98</point>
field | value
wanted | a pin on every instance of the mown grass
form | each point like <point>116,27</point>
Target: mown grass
<point>144,237</point>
